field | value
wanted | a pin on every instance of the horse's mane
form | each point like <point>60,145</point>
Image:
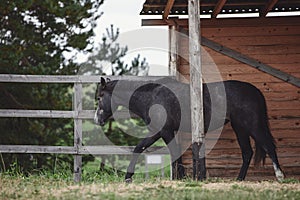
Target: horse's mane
<point>136,83</point>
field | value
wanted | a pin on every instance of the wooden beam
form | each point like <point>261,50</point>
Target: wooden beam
<point>173,50</point>
<point>37,149</point>
<point>84,150</point>
<point>168,8</point>
<point>268,7</point>
<point>37,113</point>
<point>196,91</point>
<point>209,4</point>
<point>120,150</point>
<point>151,8</point>
<point>59,114</point>
<point>195,72</point>
<point>251,62</point>
<point>17,78</point>
<point>218,8</point>
<point>228,22</point>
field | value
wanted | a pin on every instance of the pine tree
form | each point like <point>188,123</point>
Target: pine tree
<point>108,58</point>
<point>34,35</point>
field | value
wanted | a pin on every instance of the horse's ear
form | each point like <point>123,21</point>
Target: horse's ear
<point>108,79</point>
<point>103,82</point>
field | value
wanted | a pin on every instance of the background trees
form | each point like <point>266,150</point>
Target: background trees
<point>108,58</point>
<point>34,35</point>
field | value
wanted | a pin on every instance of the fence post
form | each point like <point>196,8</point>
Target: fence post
<point>77,131</point>
<point>196,91</point>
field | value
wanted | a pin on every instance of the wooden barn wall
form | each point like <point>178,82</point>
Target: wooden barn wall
<point>277,46</point>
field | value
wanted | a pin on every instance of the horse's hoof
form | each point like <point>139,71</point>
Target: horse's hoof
<point>128,180</point>
<point>279,175</point>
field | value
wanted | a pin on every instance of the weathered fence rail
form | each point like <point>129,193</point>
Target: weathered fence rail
<point>95,150</point>
<point>16,78</point>
<point>78,114</point>
<point>82,114</point>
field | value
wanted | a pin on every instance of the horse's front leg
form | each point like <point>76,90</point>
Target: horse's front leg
<point>140,147</point>
<point>178,171</point>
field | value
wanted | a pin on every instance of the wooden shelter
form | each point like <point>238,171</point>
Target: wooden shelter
<point>263,49</point>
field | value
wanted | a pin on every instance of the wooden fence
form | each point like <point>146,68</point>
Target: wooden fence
<point>78,114</point>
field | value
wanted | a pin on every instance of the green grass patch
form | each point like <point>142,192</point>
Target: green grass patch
<point>110,185</point>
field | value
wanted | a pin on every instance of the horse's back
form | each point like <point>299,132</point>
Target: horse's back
<point>246,106</point>
<point>240,94</point>
<point>228,100</point>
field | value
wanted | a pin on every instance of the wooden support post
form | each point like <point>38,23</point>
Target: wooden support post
<point>173,50</point>
<point>173,63</point>
<point>77,131</point>
<point>196,88</point>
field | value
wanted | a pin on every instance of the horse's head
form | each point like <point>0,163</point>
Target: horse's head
<point>103,97</point>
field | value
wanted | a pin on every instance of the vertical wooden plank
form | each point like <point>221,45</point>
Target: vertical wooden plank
<point>77,131</point>
<point>196,86</point>
<point>173,50</point>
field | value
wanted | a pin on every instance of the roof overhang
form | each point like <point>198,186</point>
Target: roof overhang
<point>214,8</point>
<point>225,22</point>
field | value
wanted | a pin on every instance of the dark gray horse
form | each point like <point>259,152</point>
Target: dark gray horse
<point>164,105</point>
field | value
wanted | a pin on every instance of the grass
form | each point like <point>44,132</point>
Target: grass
<point>111,186</point>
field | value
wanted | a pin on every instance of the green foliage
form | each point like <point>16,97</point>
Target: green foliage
<point>108,58</point>
<point>291,180</point>
<point>34,35</point>
<point>112,187</point>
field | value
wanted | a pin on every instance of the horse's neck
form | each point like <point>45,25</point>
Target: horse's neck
<point>123,90</point>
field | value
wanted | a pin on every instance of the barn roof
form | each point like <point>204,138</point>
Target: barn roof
<point>215,7</point>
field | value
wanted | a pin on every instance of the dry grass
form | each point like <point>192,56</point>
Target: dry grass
<point>257,186</point>
<point>39,187</point>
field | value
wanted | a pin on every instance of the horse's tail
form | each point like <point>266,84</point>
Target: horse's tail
<point>260,155</point>
<point>265,141</point>
<point>267,144</point>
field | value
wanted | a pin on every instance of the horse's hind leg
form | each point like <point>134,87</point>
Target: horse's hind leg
<point>247,152</point>
<point>199,165</point>
<point>278,172</point>
<point>269,146</point>
<point>140,147</point>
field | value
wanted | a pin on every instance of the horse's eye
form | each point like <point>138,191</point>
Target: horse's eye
<point>98,98</point>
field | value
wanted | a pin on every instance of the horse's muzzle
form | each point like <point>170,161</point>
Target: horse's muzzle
<point>101,123</point>
<point>98,121</point>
